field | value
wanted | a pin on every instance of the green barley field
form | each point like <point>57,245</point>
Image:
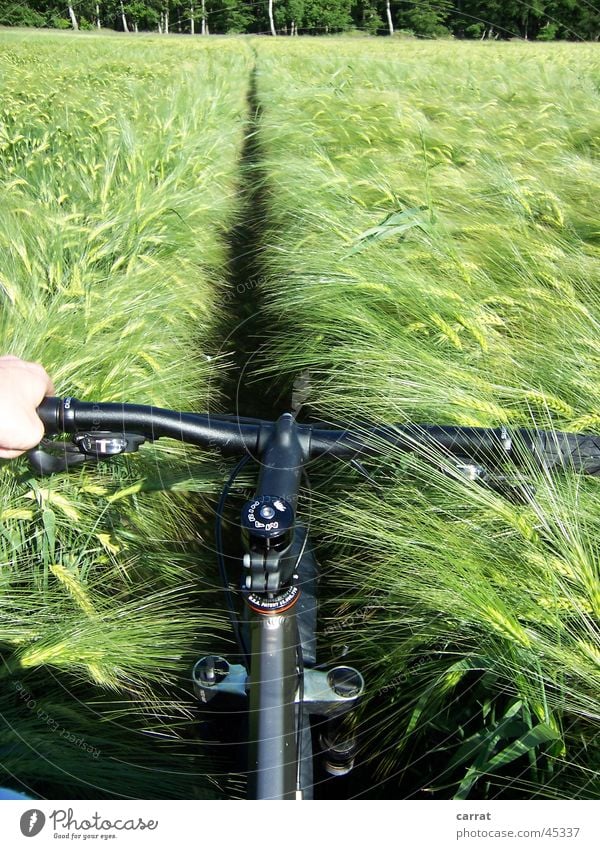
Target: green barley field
<point>395,231</point>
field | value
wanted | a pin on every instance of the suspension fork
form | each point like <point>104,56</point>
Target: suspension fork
<point>272,582</point>
<point>279,583</point>
<point>273,718</point>
<point>277,641</point>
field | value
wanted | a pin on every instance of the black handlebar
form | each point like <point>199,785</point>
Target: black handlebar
<point>233,436</point>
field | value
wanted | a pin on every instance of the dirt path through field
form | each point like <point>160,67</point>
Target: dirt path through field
<point>246,324</point>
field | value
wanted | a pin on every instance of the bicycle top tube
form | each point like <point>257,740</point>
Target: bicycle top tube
<point>237,436</point>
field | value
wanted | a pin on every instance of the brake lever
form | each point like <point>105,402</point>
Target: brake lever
<point>50,457</point>
<point>514,487</point>
<point>60,455</point>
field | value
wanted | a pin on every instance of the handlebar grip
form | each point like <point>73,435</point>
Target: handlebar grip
<point>579,452</point>
<point>50,412</point>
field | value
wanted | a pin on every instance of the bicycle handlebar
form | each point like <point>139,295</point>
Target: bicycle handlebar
<point>233,436</point>
<point>273,566</point>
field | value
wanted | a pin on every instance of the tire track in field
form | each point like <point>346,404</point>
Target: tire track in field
<point>243,331</point>
<point>246,325</point>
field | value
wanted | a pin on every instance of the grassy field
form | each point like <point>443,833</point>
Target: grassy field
<point>432,254</point>
<point>428,250</point>
<point>117,185</point>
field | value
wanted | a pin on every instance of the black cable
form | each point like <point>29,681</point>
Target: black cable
<point>221,559</point>
<point>231,608</point>
<point>299,656</point>
<point>300,717</point>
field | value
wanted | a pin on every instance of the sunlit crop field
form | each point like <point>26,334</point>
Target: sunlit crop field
<point>433,255</point>
<point>117,182</point>
<point>429,251</point>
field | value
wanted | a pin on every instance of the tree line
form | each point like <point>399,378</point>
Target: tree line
<point>475,19</point>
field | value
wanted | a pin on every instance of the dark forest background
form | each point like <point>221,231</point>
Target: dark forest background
<point>547,20</point>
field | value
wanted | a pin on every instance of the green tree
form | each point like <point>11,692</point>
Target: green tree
<point>229,16</point>
<point>427,18</point>
<point>529,19</point>
<point>15,14</point>
<point>325,16</point>
<point>574,19</point>
<point>289,15</point>
<point>366,16</point>
<point>143,13</point>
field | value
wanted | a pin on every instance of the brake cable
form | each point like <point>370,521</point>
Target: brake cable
<point>299,655</point>
<point>235,623</point>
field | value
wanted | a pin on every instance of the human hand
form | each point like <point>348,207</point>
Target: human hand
<point>23,385</point>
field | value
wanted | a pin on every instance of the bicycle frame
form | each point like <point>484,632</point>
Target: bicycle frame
<point>274,633</point>
<point>270,687</point>
<point>279,573</point>
<point>281,580</point>
<point>273,755</point>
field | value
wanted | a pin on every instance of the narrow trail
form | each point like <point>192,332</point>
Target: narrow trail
<point>246,324</point>
<point>244,330</point>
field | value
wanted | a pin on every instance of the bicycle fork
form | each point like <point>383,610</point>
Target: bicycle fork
<point>279,587</point>
<point>282,693</point>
